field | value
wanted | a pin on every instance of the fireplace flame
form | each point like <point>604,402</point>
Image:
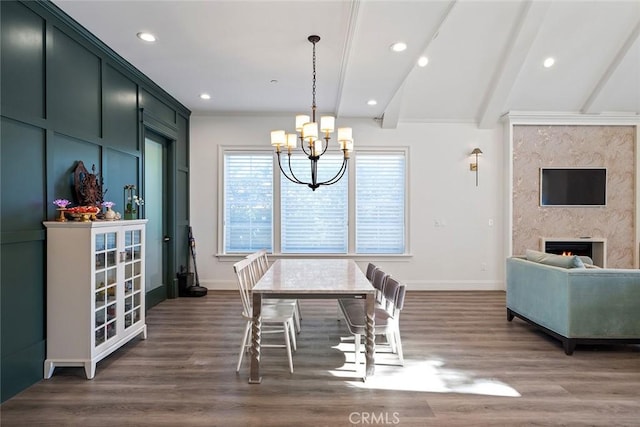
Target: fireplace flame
<point>567,253</point>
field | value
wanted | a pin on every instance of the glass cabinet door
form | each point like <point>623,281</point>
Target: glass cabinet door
<point>106,283</point>
<point>133,286</point>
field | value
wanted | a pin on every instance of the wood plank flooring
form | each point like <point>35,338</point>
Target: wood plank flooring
<point>465,365</point>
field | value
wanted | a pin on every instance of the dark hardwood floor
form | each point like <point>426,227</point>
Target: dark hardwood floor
<point>465,365</point>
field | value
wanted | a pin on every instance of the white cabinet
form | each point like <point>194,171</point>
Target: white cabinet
<point>95,290</point>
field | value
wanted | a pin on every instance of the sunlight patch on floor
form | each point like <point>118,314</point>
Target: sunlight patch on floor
<point>423,376</point>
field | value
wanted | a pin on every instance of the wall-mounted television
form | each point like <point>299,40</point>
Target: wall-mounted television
<point>573,187</point>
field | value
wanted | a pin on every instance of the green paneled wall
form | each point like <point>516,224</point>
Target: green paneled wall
<point>182,157</point>
<point>120,111</point>
<point>22,159</point>
<point>22,292</point>
<point>159,110</point>
<point>75,101</point>
<point>65,97</point>
<point>22,48</point>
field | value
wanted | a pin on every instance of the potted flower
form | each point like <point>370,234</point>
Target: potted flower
<point>132,202</point>
<point>110,214</point>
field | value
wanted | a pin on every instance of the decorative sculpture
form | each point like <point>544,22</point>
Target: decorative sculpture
<point>88,186</point>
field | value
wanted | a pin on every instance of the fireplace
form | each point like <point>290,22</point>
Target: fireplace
<point>570,248</point>
<point>594,248</point>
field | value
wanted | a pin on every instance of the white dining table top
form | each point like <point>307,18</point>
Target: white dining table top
<point>314,276</point>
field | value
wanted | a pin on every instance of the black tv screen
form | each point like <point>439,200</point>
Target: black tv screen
<point>573,187</point>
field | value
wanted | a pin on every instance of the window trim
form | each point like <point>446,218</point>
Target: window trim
<point>276,237</point>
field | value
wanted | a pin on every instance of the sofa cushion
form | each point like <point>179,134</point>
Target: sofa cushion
<point>563,261</point>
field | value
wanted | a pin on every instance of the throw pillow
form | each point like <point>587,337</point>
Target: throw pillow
<point>563,261</point>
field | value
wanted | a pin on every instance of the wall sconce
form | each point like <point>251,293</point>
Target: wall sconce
<point>474,166</point>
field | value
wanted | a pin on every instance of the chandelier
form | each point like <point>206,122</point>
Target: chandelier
<point>312,145</point>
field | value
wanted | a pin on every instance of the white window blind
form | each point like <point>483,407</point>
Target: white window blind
<point>248,202</point>
<point>380,197</point>
<point>314,221</point>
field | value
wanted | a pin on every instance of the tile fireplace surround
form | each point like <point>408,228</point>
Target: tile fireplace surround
<point>612,147</point>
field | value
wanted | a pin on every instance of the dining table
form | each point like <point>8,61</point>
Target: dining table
<point>312,278</point>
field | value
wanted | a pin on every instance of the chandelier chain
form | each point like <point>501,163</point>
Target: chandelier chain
<point>313,91</point>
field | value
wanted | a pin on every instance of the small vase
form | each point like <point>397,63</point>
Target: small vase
<point>110,214</point>
<point>131,215</point>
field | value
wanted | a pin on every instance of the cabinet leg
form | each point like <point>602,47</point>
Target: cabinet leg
<point>144,332</point>
<point>48,369</point>
<point>90,370</point>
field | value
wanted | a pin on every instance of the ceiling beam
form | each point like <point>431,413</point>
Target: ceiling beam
<point>521,39</point>
<point>346,52</point>
<point>391,113</point>
<point>587,107</point>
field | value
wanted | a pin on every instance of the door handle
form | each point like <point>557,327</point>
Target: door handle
<point>166,239</point>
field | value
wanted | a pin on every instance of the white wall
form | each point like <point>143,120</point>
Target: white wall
<point>465,252</point>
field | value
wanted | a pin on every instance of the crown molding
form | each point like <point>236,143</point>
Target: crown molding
<point>570,118</point>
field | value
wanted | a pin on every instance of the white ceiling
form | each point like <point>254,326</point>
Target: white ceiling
<point>485,57</point>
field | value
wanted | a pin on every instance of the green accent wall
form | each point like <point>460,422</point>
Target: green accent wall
<point>66,96</point>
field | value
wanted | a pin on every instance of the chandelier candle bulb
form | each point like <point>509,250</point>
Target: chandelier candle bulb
<point>349,146</point>
<point>301,119</point>
<point>317,148</point>
<point>346,146</point>
<point>292,141</point>
<point>327,124</point>
<point>345,134</point>
<point>277,138</point>
<point>310,131</point>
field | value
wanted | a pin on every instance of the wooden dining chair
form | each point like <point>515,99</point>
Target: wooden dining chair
<point>274,318</point>
<point>387,318</point>
<point>259,265</point>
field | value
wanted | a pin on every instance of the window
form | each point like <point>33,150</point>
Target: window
<point>380,195</point>
<point>314,221</point>
<point>248,202</point>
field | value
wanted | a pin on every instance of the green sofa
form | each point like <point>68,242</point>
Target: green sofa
<point>576,305</point>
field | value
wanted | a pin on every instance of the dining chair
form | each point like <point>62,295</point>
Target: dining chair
<point>387,318</point>
<point>255,272</point>
<point>274,318</point>
<point>370,269</point>
<point>261,261</point>
<point>259,266</point>
<point>379,281</point>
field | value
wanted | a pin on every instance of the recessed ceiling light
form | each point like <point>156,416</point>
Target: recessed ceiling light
<point>423,61</point>
<point>205,96</point>
<point>548,63</point>
<point>148,37</point>
<point>372,102</point>
<point>399,47</point>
